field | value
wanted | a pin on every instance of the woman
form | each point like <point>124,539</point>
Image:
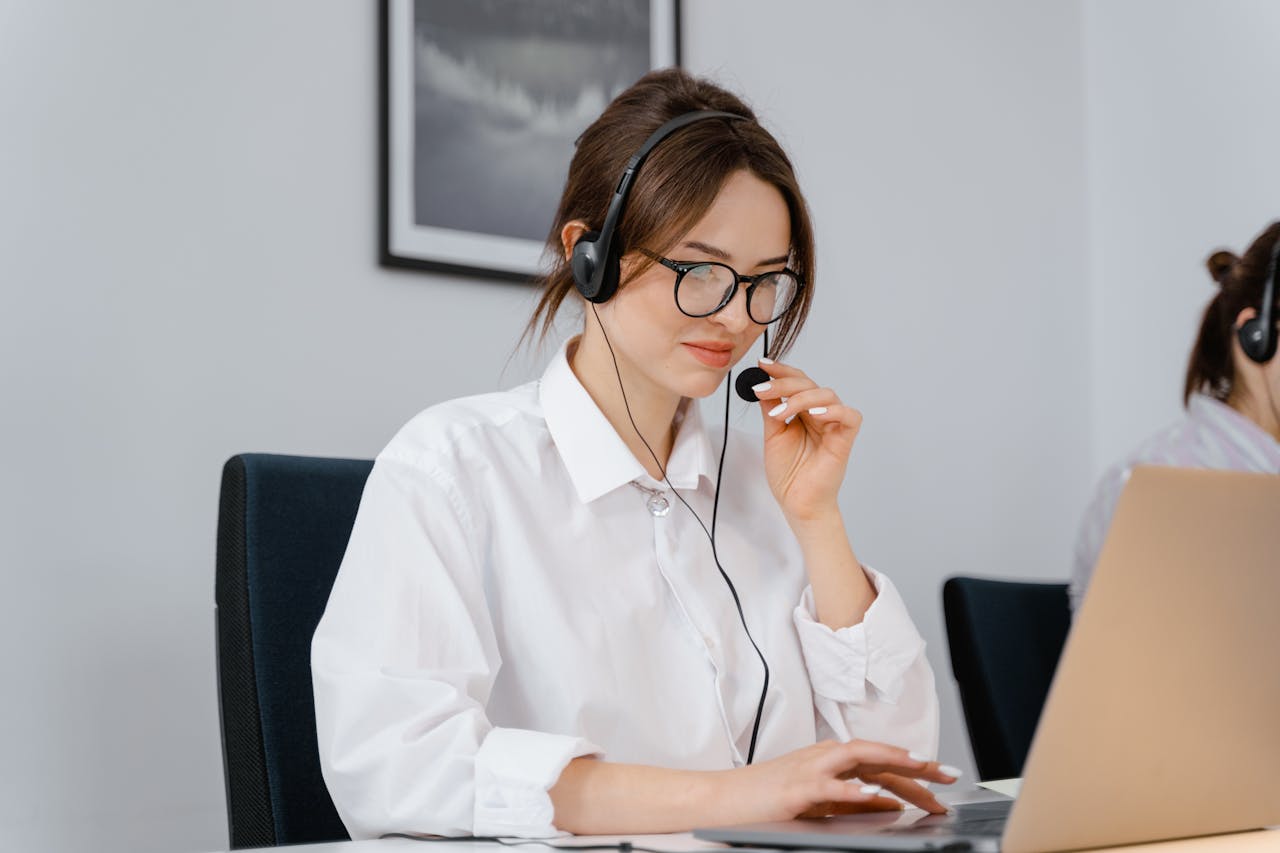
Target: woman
<point>530,631</point>
<point>1232,400</point>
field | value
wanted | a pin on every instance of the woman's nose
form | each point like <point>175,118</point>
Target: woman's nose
<point>734,316</point>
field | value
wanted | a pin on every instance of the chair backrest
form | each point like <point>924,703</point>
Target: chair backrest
<point>1005,639</point>
<point>283,525</point>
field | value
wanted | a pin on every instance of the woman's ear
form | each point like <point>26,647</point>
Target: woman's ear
<point>1245,315</point>
<point>570,234</point>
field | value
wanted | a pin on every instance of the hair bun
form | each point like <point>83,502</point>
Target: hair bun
<point>1220,265</point>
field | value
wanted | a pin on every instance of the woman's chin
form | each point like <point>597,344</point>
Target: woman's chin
<point>702,386</point>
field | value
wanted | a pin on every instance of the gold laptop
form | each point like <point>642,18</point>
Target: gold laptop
<point>1163,720</point>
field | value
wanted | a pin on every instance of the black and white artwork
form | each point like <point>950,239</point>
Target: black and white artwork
<point>482,101</point>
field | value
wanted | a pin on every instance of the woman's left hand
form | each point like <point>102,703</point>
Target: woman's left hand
<point>805,459</point>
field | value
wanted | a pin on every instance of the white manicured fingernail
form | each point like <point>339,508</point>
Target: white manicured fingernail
<point>948,770</point>
<point>918,756</point>
<point>763,386</point>
<point>777,410</point>
<point>870,789</point>
<point>764,360</point>
<point>818,410</point>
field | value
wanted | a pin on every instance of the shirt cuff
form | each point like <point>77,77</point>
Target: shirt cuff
<point>877,651</point>
<point>515,768</point>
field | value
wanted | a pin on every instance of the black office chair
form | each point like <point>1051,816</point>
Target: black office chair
<point>1005,639</point>
<point>283,525</point>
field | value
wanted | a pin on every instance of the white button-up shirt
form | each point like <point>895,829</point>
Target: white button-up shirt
<point>1212,435</point>
<point>507,603</point>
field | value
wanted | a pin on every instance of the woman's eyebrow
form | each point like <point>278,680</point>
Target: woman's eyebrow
<point>721,254</point>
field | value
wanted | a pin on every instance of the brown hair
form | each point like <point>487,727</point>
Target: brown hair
<point>676,185</point>
<point>1211,369</point>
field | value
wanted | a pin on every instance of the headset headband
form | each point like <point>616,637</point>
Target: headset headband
<point>1258,336</point>
<point>600,281</point>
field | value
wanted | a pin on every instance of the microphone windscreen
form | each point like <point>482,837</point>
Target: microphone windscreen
<point>748,378</point>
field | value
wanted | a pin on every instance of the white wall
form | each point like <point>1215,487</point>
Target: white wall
<point>1184,158</point>
<point>187,270</point>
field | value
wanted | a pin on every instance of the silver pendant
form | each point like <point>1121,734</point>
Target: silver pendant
<point>655,500</point>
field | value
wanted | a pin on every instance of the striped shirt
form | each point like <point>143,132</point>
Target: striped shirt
<point>1212,435</point>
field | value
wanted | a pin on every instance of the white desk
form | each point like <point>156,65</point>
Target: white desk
<point>1245,842</point>
<point>1260,841</point>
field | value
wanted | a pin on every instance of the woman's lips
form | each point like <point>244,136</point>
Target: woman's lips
<point>710,355</point>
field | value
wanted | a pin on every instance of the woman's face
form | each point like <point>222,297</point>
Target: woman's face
<point>748,228</point>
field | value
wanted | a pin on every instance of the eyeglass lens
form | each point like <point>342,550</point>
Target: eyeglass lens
<point>706,288</point>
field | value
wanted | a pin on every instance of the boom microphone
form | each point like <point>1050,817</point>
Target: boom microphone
<point>752,376</point>
<point>746,380</point>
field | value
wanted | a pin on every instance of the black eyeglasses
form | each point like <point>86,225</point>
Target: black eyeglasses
<point>705,287</point>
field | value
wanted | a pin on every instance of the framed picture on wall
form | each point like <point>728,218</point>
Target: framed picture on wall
<point>481,101</point>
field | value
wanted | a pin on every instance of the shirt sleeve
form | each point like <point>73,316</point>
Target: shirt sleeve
<point>1093,532</point>
<point>403,663</point>
<point>872,680</point>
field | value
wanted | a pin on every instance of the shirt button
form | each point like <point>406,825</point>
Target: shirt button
<point>709,640</point>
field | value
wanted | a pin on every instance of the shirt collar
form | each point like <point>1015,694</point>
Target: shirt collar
<point>1239,430</point>
<point>597,459</point>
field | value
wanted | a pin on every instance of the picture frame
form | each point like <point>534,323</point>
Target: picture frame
<point>480,104</point>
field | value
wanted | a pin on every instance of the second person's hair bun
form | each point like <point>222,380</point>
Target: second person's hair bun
<point>1220,265</point>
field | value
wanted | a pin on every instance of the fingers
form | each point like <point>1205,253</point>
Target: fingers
<point>784,380</point>
<point>853,798</point>
<point>930,771</point>
<point>778,370</point>
<point>820,405</point>
<point>911,791</point>
<point>855,755</point>
<point>863,757</point>
<point>865,776</point>
<point>776,389</point>
<point>780,387</point>
<point>790,392</point>
<point>800,401</point>
<point>895,770</point>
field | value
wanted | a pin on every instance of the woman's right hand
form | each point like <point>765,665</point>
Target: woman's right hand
<point>830,778</point>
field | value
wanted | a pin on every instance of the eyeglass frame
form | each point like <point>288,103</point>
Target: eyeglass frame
<point>681,268</point>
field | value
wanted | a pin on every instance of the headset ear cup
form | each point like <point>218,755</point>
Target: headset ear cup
<point>1256,343</point>
<point>594,273</point>
<point>584,262</point>
<point>610,274</point>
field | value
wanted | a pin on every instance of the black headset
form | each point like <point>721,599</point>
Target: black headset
<point>1257,336</point>
<point>597,255</point>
